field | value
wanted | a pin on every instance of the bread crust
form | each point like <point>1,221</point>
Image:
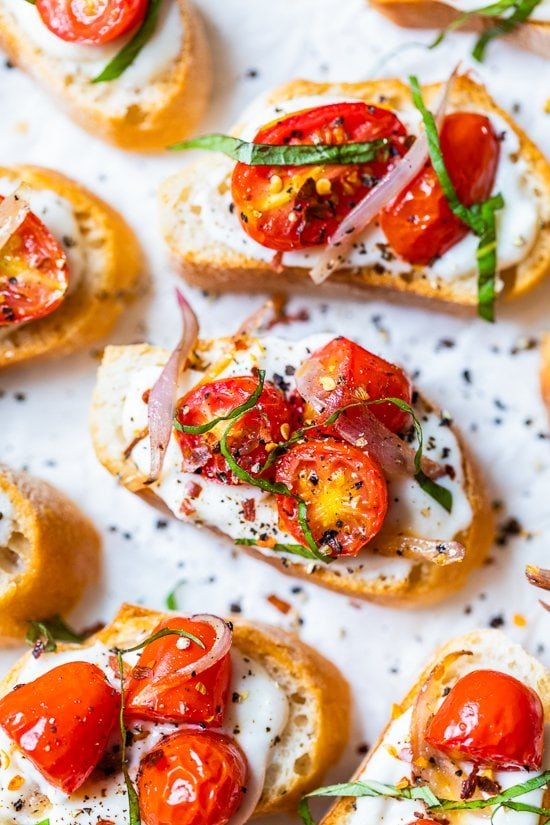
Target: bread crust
<point>211,265</point>
<point>341,810</point>
<point>54,556</point>
<point>184,89</point>
<point>533,35</point>
<point>426,584</point>
<point>91,310</point>
<point>278,652</point>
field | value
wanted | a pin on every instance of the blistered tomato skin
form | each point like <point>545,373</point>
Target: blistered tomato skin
<point>91,22</point>
<point>62,721</point>
<point>419,225</point>
<point>344,489</point>
<point>492,719</point>
<point>292,207</point>
<point>192,778</point>
<point>34,277</point>
<point>197,699</point>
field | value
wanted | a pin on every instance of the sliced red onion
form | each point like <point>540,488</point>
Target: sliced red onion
<point>162,398</point>
<point>438,552</point>
<point>429,764</point>
<point>394,182</point>
<point>220,648</point>
<point>538,576</point>
<point>13,211</point>
<point>261,317</point>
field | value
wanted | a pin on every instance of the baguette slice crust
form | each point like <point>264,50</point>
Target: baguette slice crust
<point>425,584</point>
<point>485,646</point>
<point>545,370</point>
<point>533,35</point>
<point>51,555</point>
<point>181,91</point>
<point>209,264</point>
<point>318,697</point>
<point>111,277</point>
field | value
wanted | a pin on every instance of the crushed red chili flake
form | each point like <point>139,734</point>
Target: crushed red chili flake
<point>249,509</point>
<point>279,604</point>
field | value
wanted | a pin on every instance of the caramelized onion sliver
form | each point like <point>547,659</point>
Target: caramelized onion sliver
<point>538,576</point>
<point>438,552</point>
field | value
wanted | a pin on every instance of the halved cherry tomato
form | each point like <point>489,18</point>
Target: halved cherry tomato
<point>291,207</point>
<point>192,778</point>
<point>344,489</point>
<point>492,719</point>
<point>199,699</point>
<point>33,273</point>
<point>62,721</point>
<point>91,22</point>
<point>247,438</point>
<point>419,225</point>
<point>350,373</point>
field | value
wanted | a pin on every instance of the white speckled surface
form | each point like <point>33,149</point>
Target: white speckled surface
<point>43,410</point>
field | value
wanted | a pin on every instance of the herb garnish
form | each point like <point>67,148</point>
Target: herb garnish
<point>130,51</point>
<point>520,10</point>
<point>267,154</point>
<point>171,598</point>
<point>434,804</point>
<point>293,549</point>
<point>480,217</point>
<point>44,634</point>
<point>133,800</point>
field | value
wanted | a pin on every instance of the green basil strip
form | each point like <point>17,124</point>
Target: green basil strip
<point>160,634</point>
<point>266,154</point>
<point>494,9</point>
<point>133,800</point>
<point>293,549</point>
<point>172,597</point>
<point>235,413</point>
<point>499,799</point>
<point>43,821</point>
<point>130,51</point>
<point>50,631</point>
<point>487,260</point>
<point>523,10</point>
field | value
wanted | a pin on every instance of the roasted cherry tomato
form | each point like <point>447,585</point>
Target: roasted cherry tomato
<point>349,373</point>
<point>62,721</point>
<point>91,22</point>
<point>492,719</point>
<point>192,778</point>
<point>344,490</point>
<point>291,207</point>
<point>419,225</point>
<point>33,273</point>
<point>248,436</point>
<point>151,694</point>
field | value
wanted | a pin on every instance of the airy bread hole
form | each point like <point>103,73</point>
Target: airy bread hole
<point>298,699</point>
<point>302,765</point>
<point>134,115</point>
<point>13,555</point>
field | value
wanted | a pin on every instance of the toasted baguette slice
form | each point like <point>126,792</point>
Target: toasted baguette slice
<point>149,116</point>
<point>318,698</point>
<point>422,584</point>
<point>50,552</point>
<point>491,649</point>
<point>533,35</point>
<point>208,263</point>
<point>110,280</point>
<point>545,370</point>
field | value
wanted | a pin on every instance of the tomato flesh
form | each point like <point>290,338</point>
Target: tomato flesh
<point>292,207</point>
<point>492,719</point>
<point>348,373</point>
<point>91,22</point>
<point>344,489</point>
<point>34,277</point>
<point>248,437</point>
<point>192,778</point>
<point>151,692</point>
<point>419,225</point>
<point>62,721</point>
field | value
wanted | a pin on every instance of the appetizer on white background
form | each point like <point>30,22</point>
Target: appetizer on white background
<point>50,553</point>
<point>69,265</point>
<point>189,720</point>
<point>287,448</point>
<point>134,72</point>
<point>334,183</point>
<point>469,743</point>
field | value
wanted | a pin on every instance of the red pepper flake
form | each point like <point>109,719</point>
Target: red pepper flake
<point>193,490</point>
<point>145,396</point>
<point>249,509</point>
<point>279,604</point>
<point>113,664</point>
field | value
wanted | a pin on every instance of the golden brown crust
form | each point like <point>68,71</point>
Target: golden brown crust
<point>545,370</point>
<point>183,91</point>
<point>533,35</point>
<point>53,554</point>
<point>218,267</point>
<point>278,652</point>
<point>426,584</point>
<point>110,282</point>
